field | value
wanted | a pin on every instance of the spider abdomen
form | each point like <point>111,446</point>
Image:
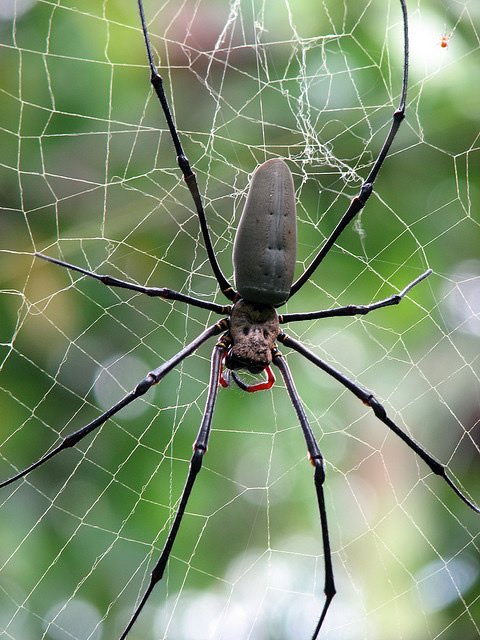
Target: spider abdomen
<point>265,245</point>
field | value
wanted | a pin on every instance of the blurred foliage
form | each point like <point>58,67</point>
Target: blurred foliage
<point>88,174</point>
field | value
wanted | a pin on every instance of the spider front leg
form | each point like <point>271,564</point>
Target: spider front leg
<point>199,449</point>
<point>183,162</point>
<point>359,201</point>
<point>316,459</point>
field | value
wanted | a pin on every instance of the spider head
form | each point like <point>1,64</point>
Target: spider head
<point>254,329</point>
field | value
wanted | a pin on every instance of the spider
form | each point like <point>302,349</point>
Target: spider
<point>264,256</point>
<point>444,40</point>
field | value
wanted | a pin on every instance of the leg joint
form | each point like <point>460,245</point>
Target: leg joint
<point>376,407</point>
<point>317,462</point>
<point>365,192</point>
<point>197,458</point>
<point>144,385</point>
<point>184,165</point>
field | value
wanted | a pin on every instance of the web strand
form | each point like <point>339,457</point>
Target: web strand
<point>88,177</point>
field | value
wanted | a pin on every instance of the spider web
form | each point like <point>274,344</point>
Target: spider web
<point>88,174</point>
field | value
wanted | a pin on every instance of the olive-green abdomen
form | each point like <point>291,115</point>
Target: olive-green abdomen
<point>265,245</point>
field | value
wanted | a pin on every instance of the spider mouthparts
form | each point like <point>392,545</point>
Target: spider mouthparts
<point>234,363</point>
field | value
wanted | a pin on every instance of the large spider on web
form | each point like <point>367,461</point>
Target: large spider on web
<point>263,259</point>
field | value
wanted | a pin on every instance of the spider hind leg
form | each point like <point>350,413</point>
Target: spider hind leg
<point>199,448</point>
<point>316,459</point>
<point>369,400</point>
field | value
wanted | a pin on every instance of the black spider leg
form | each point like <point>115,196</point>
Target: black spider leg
<point>359,200</point>
<point>351,309</point>
<point>199,448</point>
<point>183,163</point>
<point>316,459</point>
<point>152,378</point>
<point>154,292</point>
<point>369,399</point>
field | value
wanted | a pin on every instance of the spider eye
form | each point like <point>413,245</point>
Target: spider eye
<point>265,333</point>
<point>245,331</point>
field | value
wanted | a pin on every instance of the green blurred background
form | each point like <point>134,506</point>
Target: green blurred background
<point>87,173</point>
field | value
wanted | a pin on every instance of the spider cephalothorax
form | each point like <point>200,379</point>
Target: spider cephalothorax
<point>264,262</point>
<point>254,329</point>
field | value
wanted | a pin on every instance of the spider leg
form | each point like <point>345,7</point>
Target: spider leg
<point>360,200</point>
<point>199,448</point>
<point>352,310</point>
<point>154,292</point>
<point>369,399</point>
<point>142,387</point>
<point>316,459</point>
<point>183,163</point>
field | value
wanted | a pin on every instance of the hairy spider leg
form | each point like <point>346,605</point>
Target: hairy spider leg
<point>360,200</point>
<point>316,459</point>
<point>183,163</point>
<point>152,378</point>
<point>369,399</point>
<point>199,448</point>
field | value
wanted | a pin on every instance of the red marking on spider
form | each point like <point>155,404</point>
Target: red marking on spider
<point>258,386</point>
<point>250,388</point>
<point>444,40</point>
